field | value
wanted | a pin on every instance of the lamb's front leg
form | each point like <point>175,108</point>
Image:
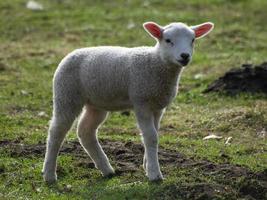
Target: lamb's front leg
<point>145,120</point>
<point>157,118</point>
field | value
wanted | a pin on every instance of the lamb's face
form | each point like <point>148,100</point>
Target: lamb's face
<point>176,40</point>
<point>176,44</point>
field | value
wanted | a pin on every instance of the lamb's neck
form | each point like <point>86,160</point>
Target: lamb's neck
<point>164,73</point>
<point>164,66</point>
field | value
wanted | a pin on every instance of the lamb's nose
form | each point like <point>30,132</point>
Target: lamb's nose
<point>185,56</point>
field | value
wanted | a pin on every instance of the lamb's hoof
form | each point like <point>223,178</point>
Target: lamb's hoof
<point>158,180</point>
<point>49,178</point>
<point>156,177</point>
<point>109,173</point>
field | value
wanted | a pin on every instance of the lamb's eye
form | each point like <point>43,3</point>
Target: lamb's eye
<point>193,40</point>
<point>168,41</point>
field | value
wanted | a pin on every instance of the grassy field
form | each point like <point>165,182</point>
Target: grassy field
<point>32,43</point>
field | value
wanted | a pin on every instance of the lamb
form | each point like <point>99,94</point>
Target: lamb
<point>97,80</point>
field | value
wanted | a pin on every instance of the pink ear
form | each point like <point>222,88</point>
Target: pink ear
<point>202,29</point>
<point>154,29</point>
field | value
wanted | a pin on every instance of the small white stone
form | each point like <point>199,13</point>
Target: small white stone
<point>42,114</point>
<point>131,25</point>
<point>33,5</point>
<point>212,136</point>
<point>228,141</point>
<point>198,76</point>
<point>146,3</point>
<point>24,92</point>
<point>262,133</point>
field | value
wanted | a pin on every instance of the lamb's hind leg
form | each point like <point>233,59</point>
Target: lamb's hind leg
<point>59,126</point>
<point>88,124</point>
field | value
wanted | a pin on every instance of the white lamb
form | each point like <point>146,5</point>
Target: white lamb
<point>102,79</point>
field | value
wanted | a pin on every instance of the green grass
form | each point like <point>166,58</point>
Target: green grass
<point>33,43</point>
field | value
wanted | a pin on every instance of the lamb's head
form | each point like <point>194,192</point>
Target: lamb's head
<point>175,42</point>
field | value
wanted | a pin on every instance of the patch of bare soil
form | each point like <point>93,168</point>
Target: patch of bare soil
<point>228,181</point>
<point>248,78</point>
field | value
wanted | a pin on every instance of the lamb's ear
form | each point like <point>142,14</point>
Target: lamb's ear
<point>153,29</point>
<point>202,30</point>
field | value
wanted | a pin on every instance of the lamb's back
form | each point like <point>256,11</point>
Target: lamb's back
<point>105,74</point>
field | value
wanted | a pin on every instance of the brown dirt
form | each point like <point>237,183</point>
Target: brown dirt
<point>248,78</point>
<point>228,181</point>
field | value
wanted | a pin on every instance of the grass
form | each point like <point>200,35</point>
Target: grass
<point>33,43</point>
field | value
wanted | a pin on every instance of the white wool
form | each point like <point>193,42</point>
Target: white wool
<point>102,79</point>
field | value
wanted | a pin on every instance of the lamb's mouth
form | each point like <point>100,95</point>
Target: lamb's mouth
<point>183,62</point>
